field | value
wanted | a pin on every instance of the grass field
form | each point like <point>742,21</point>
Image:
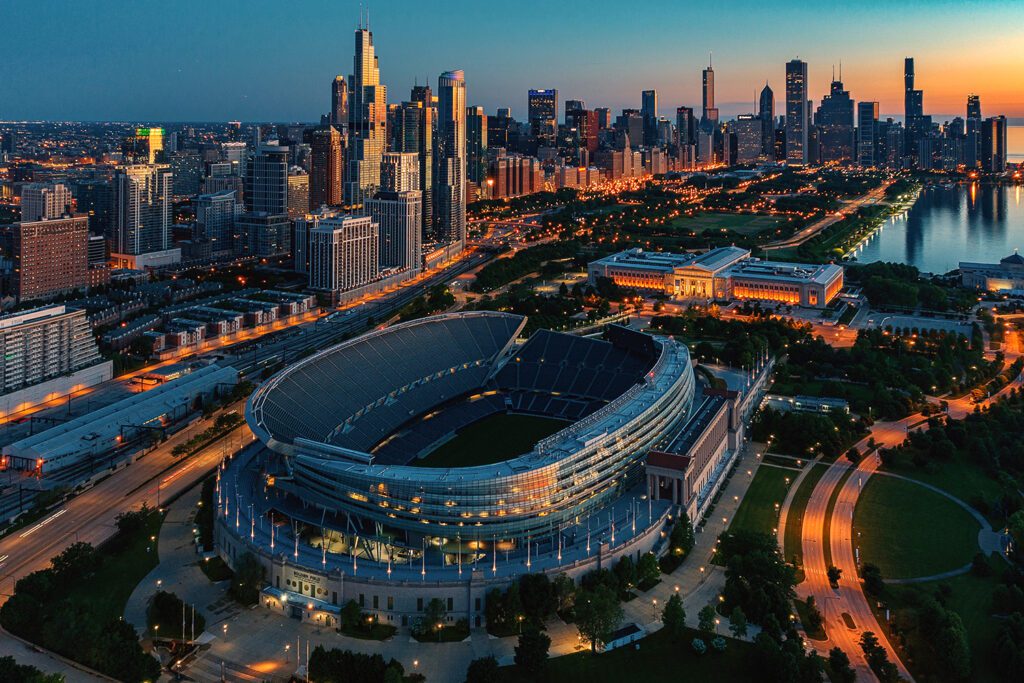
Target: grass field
<point>793,543</point>
<point>492,439</point>
<point>909,531</point>
<point>659,658</point>
<point>741,224</point>
<point>757,511</point>
<point>963,479</point>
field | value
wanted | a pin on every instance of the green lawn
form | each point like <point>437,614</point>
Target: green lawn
<point>741,224</point>
<point>908,530</point>
<point>793,543</point>
<point>659,659</point>
<point>757,511</point>
<point>963,479</point>
<point>492,439</point>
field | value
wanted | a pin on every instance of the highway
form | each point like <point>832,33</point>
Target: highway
<point>90,516</point>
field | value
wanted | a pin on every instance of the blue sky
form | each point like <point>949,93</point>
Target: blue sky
<point>259,61</point>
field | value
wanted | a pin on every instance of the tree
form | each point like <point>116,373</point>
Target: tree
<point>12,672</point>
<point>532,653</point>
<point>814,618</point>
<point>598,614</point>
<point>878,658</point>
<point>625,572</point>
<point>433,616</point>
<point>537,597</point>
<point>834,574</point>
<point>682,539</point>
<point>853,455</point>
<point>839,663</point>
<point>738,623</point>
<point>873,582</point>
<point>248,579</point>
<point>351,615</point>
<point>564,590</point>
<point>673,616</point>
<point>78,561</point>
<point>647,570</point>
<point>482,670</point>
<point>706,618</point>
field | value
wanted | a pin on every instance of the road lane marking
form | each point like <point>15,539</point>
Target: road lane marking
<point>43,523</point>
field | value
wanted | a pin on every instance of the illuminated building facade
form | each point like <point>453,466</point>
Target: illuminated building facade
<point>722,274</point>
<point>797,123</point>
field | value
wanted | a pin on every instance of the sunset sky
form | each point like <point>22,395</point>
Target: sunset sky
<point>259,61</point>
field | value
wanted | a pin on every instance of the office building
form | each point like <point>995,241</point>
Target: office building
<point>40,201</point>
<point>542,113</point>
<point>747,129</point>
<point>215,220</point>
<point>266,187</point>
<point>187,168</point>
<point>993,144</point>
<point>709,112</point>
<point>422,95</point>
<point>797,123</point>
<point>327,163</point>
<point>686,137</point>
<point>303,225</point>
<point>476,145</point>
<point>339,103</point>
<point>50,256</point>
<point>343,253</point>
<point>604,118</point>
<point>766,112</point>
<point>140,232</point>
<point>367,120</point>
<point>46,353</point>
<point>400,172</point>
<point>450,159</point>
<point>649,114</point>
<point>8,143</point>
<point>398,215</point>
<point>236,155</point>
<point>585,122</point>
<point>630,126</point>
<point>298,192</point>
<point>835,125</point>
<point>867,134</point>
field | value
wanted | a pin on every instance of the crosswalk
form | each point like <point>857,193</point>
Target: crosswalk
<point>212,669</point>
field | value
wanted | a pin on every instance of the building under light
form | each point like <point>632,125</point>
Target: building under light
<point>722,274</point>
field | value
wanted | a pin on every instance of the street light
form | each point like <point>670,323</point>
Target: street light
<point>654,608</point>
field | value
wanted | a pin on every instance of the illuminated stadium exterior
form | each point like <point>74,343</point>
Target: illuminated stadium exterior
<point>328,502</point>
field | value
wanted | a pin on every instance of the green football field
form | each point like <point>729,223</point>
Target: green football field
<point>492,439</point>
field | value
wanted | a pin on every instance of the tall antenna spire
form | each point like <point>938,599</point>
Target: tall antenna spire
<point>840,69</point>
<point>709,59</point>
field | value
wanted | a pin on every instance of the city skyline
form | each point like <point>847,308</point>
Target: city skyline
<point>142,75</point>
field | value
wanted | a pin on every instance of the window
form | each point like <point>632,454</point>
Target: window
<point>391,602</point>
<point>375,602</point>
<point>334,597</point>
<point>419,604</point>
<point>362,600</point>
<point>450,606</point>
<point>477,604</point>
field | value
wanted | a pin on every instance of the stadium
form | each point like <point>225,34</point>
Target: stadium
<point>447,452</point>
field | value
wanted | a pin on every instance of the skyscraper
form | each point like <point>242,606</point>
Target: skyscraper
<point>649,112</point>
<point>145,147</point>
<point>422,95</point>
<point>796,113</point>
<point>298,192</point>
<point>766,112</point>
<point>400,172</point>
<point>450,159</point>
<point>397,215</point>
<point>339,102</point>
<point>367,119</point>
<point>142,214</point>
<point>542,111</point>
<point>343,253</point>
<point>476,144</point>
<point>972,145</point>
<point>993,144</point>
<point>835,124</point>
<point>326,167</point>
<point>867,134</point>
<point>916,124</point>
<point>709,112</point>
<point>266,182</point>
<point>747,131</point>
<point>215,220</point>
<point>40,201</point>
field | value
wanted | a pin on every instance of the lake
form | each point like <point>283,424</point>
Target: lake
<point>949,224</point>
